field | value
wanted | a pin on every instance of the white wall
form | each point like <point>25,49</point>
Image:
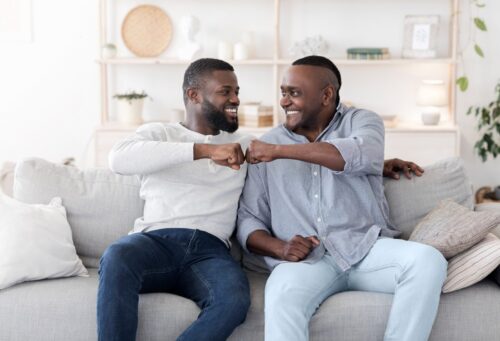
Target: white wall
<point>49,89</point>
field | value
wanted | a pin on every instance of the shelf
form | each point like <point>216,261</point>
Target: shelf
<point>164,61</point>
<point>400,128</point>
<point>408,135</point>
<point>417,128</point>
<point>392,61</point>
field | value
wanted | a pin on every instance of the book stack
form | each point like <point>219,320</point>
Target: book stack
<point>255,115</point>
<point>370,53</point>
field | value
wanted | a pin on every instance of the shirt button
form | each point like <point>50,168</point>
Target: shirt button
<point>315,173</point>
<point>319,219</point>
<point>316,196</point>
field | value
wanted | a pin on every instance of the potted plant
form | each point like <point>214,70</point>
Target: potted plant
<point>489,126</point>
<point>130,106</point>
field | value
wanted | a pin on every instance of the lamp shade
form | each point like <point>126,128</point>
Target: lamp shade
<point>432,93</point>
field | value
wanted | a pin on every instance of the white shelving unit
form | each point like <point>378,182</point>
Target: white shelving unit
<point>423,144</point>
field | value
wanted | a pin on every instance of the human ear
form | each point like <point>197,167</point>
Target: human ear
<point>329,95</point>
<point>193,95</point>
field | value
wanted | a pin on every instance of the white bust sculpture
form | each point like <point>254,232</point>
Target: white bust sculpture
<point>189,27</point>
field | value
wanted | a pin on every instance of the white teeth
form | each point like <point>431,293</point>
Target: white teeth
<point>231,110</point>
<point>292,112</point>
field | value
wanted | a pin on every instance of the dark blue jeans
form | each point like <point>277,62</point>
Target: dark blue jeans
<point>187,262</point>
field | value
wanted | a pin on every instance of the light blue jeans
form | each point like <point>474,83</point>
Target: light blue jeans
<point>414,272</point>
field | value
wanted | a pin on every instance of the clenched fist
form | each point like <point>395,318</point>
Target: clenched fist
<point>259,151</point>
<point>298,248</point>
<point>228,155</point>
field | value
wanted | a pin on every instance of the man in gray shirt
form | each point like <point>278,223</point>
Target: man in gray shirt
<point>313,205</point>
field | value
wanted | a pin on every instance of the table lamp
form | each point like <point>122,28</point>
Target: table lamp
<point>431,95</point>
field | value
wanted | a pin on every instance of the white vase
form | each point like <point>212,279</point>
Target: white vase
<point>130,112</point>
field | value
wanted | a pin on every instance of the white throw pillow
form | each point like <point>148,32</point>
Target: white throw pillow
<point>474,264</point>
<point>35,243</point>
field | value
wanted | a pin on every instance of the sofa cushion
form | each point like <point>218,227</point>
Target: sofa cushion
<point>35,242</point>
<point>53,309</point>
<point>452,228</point>
<point>101,206</point>
<point>474,264</point>
<point>411,199</point>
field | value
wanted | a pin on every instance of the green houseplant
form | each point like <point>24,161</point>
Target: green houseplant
<point>477,25</point>
<point>130,106</point>
<point>489,126</point>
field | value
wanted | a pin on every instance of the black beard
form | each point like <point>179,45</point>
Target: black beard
<point>217,118</point>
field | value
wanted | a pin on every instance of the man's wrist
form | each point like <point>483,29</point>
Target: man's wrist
<point>278,249</point>
<point>277,151</point>
<point>202,151</point>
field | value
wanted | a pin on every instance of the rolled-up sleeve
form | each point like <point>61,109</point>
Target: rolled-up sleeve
<point>254,212</point>
<point>363,149</point>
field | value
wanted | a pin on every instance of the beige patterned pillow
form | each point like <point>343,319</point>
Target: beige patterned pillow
<point>452,228</point>
<point>471,266</point>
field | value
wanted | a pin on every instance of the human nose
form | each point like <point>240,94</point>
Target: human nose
<point>235,99</point>
<point>285,100</point>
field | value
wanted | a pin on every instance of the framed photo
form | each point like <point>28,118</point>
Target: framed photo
<point>420,36</point>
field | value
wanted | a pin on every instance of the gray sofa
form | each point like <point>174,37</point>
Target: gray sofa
<point>102,207</point>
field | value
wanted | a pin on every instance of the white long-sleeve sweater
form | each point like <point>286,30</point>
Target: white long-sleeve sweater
<point>179,191</point>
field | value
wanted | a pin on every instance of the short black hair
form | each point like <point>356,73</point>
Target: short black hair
<point>326,63</point>
<point>193,77</point>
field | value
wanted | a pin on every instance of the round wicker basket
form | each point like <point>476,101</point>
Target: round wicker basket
<point>147,31</point>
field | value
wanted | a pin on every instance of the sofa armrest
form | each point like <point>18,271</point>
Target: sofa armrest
<point>7,177</point>
<point>490,206</point>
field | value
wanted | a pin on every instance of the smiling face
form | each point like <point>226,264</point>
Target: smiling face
<point>220,100</point>
<point>307,97</point>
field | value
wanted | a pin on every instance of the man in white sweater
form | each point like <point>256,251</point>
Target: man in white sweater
<point>192,174</point>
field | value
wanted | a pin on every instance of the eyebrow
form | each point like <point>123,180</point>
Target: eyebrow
<point>289,87</point>
<point>228,87</point>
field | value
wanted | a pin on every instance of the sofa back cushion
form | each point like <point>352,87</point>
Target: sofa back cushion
<point>411,199</point>
<point>101,206</point>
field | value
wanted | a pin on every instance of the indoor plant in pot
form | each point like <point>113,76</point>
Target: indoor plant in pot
<point>130,106</point>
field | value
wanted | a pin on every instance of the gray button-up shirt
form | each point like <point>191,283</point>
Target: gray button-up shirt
<point>346,209</point>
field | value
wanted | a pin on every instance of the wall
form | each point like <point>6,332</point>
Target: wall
<point>50,87</point>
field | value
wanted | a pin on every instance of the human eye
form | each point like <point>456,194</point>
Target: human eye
<point>295,93</point>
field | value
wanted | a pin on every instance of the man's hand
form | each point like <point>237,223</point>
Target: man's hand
<point>259,151</point>
<point>229,155</point>
<point>392,168</point>
<point>298,248</point>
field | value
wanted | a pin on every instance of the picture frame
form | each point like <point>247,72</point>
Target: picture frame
<point>420,36</point>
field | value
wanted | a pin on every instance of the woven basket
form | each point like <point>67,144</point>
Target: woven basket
<point>146,31</point>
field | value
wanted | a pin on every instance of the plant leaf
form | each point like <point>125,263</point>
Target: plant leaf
<point>478,50</point>
<point>496,113</point>
<point>480,5</point>
<point>480,24</point>
<point>469,111</point>
<point>463,83</point>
